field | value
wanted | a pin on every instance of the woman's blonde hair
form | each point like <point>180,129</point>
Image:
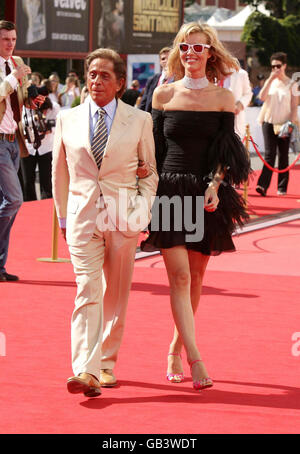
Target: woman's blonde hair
<point>218,66</point>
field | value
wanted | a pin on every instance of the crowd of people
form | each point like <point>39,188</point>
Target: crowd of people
<point>73,92</point>
<point>41,129</point>
<point>116,166</point>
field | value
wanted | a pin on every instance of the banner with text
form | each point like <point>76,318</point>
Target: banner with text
<point>136,26</point>
<point>53,25</point>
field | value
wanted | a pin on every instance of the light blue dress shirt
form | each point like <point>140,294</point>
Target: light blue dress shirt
<point>110,111</point>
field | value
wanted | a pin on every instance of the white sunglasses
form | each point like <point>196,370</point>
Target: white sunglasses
<point>197,48</point>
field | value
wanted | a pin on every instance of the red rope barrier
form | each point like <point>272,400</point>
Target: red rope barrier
<point>268,165</point>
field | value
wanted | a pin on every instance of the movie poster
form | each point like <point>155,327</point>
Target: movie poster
<point>109,24</point>
<point>78,26</point>
<point>154,24</point>
<point>56,25</point>
<point>136,26</point>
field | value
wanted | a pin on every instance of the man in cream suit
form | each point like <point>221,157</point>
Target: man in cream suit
<point>96,153</point>
<point>13,94</point>
<point>239,84</point>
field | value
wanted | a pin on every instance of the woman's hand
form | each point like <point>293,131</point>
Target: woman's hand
<point>211,199</point>
<point>275,73</point>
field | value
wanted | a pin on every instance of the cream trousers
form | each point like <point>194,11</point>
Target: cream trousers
<point>103,270</point>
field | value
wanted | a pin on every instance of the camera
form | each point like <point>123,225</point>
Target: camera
<point>34,91</point>
<point>29,134</point>
<point>36,131</point>
<point>32,136</point>
<point>43,125</point>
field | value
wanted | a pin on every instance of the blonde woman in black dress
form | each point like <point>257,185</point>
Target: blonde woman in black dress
<point>198,154</point>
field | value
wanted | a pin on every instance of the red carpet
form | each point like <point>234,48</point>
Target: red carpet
<point>249,313</point>
<point>261,206</point>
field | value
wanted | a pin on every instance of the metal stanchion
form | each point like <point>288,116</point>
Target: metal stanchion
<point>247,140</point>
<point>55,230</point>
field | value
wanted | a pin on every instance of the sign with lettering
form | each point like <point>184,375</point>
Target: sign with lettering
<point>136,26</point>
<point>79,26</point>
<point>53,25</point>
<point>154,24</point>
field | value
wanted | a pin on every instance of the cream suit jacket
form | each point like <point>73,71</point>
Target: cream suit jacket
<point>241,88</point>
<point>6,90</point>
<point>78,184</point>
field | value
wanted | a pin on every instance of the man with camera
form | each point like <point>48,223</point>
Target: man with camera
<point>39,127</point>
<point>13,94</point>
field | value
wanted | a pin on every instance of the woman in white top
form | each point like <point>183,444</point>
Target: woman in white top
<point>280,105</point>
<point>69,93</point>
<point>56,87</point>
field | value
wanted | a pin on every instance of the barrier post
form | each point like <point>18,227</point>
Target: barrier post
<point>55,231</point>
<point>247,140</point>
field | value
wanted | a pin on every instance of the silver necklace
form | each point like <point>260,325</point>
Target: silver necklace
<point>195,84</point>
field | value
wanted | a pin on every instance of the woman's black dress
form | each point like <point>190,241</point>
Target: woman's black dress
<point>190,147</point>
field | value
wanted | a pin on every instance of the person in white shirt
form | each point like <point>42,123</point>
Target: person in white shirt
<point>13,94</point>
<point>56,87</point>
<point>239,83</point>
<point>280,105</point>
<point>69,93</point>
<point>40,154</point>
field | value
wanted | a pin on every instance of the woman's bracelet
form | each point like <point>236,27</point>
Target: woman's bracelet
<point>215,180</point>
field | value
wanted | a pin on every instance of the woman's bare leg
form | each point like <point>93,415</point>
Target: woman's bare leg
<point>185,272</point>
<point>197,263</point>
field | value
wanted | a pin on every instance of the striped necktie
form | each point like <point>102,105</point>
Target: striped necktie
<point>100,138</point>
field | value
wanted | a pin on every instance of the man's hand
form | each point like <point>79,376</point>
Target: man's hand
<point>238,107</point>
<point>21,71</point>
<point>144,169</point>
<point>38,101</point>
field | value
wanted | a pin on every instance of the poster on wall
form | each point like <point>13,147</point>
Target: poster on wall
<point>136,26</point>
<point>141,67</point>
<point>78,26</point>
<point>109,24</point>
<point>54,26</point>
<point>154,24</point>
